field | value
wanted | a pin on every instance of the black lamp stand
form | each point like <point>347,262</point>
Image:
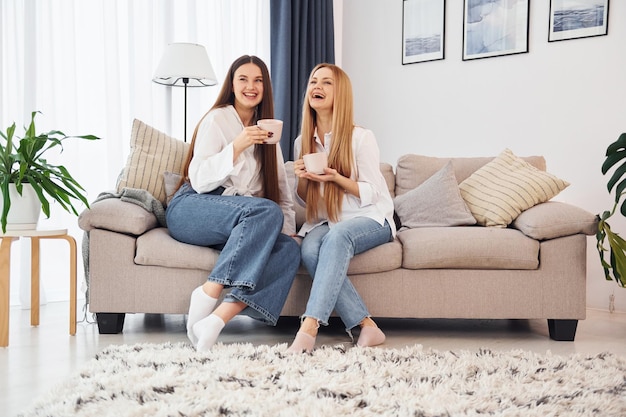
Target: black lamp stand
<point>185,82</point>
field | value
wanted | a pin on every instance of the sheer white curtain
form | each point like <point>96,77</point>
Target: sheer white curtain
<point>87,65</point>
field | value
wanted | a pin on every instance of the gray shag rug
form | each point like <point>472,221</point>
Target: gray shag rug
<point>246,380</point>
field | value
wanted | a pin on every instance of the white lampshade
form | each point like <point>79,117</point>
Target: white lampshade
<point>185,61</point>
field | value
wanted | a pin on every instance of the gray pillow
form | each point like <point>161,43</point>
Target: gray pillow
<point>435,202</point>
<point>170,181</point>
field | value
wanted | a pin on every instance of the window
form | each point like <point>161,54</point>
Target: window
<point>87,65</point>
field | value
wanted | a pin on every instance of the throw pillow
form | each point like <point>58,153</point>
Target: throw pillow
<point>554,219</point>
<point>171,181</point>
<point>435,202</point>
<point>152,152</point>
<point>118,216</point>
<point>500,190</point>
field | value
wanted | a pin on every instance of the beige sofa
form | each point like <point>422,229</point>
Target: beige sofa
<point>533,269</point>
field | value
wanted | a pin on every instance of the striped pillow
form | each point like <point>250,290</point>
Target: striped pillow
<point>151,154</point>
<point>500,190</point>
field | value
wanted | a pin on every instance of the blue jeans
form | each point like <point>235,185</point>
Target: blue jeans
<point>326,254</point>
<point>257,261</point>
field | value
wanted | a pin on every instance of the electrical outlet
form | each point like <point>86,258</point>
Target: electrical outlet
<point>611,303</point>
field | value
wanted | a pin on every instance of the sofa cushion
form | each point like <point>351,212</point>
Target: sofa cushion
<point>117,216</point>
<point>435,202</point>
<point>554,219</point>
<point>412,170</point>
<point>158,248</point>
<point>468,247</point>
<point>152,152</point>
<point>503,188</point>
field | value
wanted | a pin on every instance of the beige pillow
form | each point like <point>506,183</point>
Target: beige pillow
<point>554,219</point>
<point>118,216</point>
<point>152,153</point>
<point>501,189</point>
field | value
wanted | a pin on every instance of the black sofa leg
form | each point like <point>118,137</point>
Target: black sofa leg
<point>110,323</point>
<point>562,330</point>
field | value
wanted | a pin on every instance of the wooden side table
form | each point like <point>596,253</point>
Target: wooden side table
<point>35,236</point>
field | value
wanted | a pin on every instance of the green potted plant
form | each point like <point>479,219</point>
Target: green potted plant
<point>615,267</point>
<point>23,163</point>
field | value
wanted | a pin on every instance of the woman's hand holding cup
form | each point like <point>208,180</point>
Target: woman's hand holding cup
<point>250,135</point>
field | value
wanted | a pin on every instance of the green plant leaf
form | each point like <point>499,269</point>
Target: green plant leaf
<point>618,144</point>
<point>6,201</point>
<point>619,190</point>
<point>45,205</point>
<point>619,173</point>
<point>612,160</point>
<point>607,240</point>
<point>617,254</point>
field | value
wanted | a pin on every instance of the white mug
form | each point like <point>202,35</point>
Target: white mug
<point>315,162</point>
<point>271,125</point>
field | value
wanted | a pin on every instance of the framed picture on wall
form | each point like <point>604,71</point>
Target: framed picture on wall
<point>573,19</point>
<point>423,30</point>
<point>494,28</point>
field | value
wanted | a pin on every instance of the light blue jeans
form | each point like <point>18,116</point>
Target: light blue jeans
<point>326,254</point>
<point>257,261</point>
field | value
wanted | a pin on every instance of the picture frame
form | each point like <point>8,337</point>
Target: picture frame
<point>575,19</point>
<point>423,30</point>
<point>495,28</point>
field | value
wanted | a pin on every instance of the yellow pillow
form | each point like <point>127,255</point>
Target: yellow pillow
<point>152,153</point>
<point>500,190</point>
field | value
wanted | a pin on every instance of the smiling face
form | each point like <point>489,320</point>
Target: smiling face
<point>321,90</point>
<point>248,86</point>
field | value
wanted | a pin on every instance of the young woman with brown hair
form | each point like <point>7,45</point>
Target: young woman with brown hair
<point>234,197</point>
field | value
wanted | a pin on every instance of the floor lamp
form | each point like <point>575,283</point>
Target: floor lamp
<point>185,65</point>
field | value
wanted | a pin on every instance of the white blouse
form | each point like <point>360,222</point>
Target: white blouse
<point>212,163</point>
<point>375,201</point>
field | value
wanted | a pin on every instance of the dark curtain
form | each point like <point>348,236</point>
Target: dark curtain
<point>302,36</point>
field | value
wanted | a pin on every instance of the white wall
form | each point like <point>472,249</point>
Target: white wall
<point>564,100</point>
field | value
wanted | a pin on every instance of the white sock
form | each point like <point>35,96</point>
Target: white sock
<point>207,330</point>
<point>200,306</point>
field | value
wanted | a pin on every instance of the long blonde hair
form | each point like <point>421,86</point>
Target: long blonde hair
<point>265,154</point>
<point>340,156</point>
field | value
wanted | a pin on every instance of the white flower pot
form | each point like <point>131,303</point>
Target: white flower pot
<point>25,209</point>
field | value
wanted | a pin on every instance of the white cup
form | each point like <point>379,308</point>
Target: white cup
<point>272,125</point>
<point>315,162</point>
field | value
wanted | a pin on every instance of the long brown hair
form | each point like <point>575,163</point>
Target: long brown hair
<point>340,156</point>
<point>264,154</point>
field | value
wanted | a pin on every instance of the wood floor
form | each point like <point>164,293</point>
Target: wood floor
<point>40,357</point>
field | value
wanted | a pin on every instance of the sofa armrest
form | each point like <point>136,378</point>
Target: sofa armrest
<point>554,219</point>
<point>117,216</point>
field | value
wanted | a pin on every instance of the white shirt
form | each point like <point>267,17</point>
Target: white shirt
<point>212,163</point>
<point>375,201</point>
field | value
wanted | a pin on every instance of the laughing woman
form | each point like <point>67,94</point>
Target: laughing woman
<point>348,208</point>
<point>235,198</point>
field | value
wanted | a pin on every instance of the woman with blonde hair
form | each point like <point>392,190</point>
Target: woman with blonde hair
<point>234,197</point>
<point>348,207</point>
